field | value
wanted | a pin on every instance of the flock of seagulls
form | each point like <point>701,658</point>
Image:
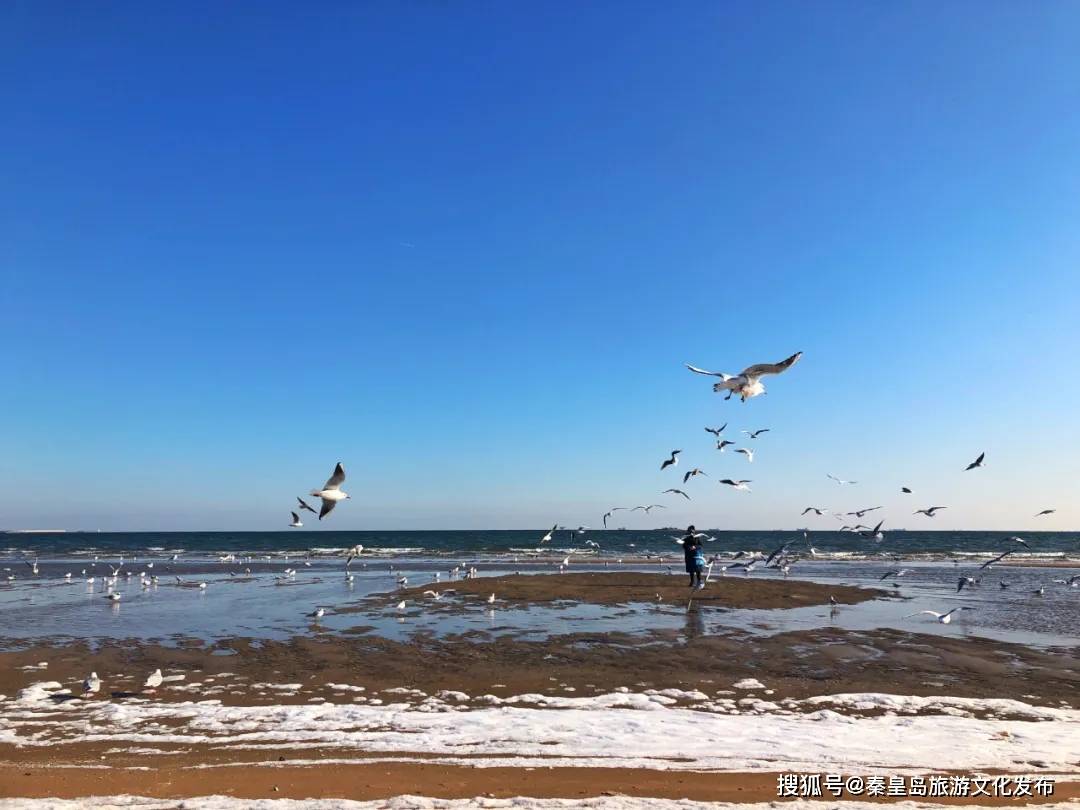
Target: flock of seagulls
<point>330,494</point>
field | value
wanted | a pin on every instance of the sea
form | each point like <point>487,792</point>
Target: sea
<point>212,586</point>
<point>503,544</point>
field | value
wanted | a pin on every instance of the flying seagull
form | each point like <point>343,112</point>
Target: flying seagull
<point>691,473</point>
<point>649,508</point>
<point>716,431</point>
<point>676,492</point>
<point>998,558</point>
<point>331,493</point>
<point>740,484</point>
<point>1046,512</point>
<point>930,511</point>
<point>815,510</point>
<point>612,511</point>
<point>304,505</point>
<point>962,581</point>
<point>977,462</point>
<point>874,533</point>
<point>671,462</point>
<point>943,618</point>
<point>896,574</point>
<point>905,490</point>
<point>747,383</point>
<point>296,524</point>
<point>840,481</point>
<point>1018,540</point>
<point>753,434</point>
<point>747,452</point>
<point>860,512</point>
<point>722,443</point>
<point>547,537</point>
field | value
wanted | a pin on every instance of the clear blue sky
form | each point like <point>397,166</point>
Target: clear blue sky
<point>466,248</point>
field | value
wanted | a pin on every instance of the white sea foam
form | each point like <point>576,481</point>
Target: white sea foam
<point>676,729</point>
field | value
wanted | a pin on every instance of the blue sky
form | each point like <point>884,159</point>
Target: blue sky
<point>467,247</point>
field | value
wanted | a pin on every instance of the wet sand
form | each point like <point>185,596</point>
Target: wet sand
<point>387,779</point>
<point>624,587</point>
<point>238,671</point>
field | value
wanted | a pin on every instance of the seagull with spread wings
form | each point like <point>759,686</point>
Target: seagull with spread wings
<point>717,431</point>
<point>929,511</point>
<point>671,462</point>
<point>331,492</point>
<point>977,462</point>
<point>840,481</point>
<point>747,383</point>
<point>676,492</point>
<point>740,485</point>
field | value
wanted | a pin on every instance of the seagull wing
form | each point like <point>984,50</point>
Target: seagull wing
<point>720,374</point>
<point>327,507</point>
<point>295,517</point>
<point>771,368</point>
<point>334,482</point>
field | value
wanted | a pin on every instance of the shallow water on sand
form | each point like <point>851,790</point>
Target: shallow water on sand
<point>251,599</point>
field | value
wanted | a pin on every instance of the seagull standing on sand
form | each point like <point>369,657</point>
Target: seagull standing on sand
<point>977,462</point>
<point>296,524</point>
<point>747,383</point>
<point>318,613</point>
<point>91,684</point>
<point>153,680</point>
<point>671,462</point>
<point>943,618</point>
<point>331,492</point>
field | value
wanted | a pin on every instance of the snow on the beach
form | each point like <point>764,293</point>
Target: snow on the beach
<point>425,803</point>
<point>667,729</point>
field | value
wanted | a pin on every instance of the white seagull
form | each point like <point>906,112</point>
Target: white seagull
<point>840,481</point>
<point>746,452</point>
<point>331,493</point>
<point>547,537</point>
<point>296,524</point>
<point>153,680</point>
<point>91,684</point>
<point>747,383</point>
<point>929,511</point>
<point>943,618</point>
<point>318,613</point>
<point>741,484</point>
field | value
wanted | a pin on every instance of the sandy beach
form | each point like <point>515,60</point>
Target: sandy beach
<point>669,713</point>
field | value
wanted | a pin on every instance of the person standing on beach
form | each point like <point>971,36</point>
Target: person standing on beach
<point>694,555</point>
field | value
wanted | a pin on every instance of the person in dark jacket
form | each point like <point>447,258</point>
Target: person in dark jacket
<point>694,555</point>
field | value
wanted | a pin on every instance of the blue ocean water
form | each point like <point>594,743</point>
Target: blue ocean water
<point>500,544</point>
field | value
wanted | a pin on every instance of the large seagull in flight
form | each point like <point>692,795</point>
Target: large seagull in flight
<point>747,383</point>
